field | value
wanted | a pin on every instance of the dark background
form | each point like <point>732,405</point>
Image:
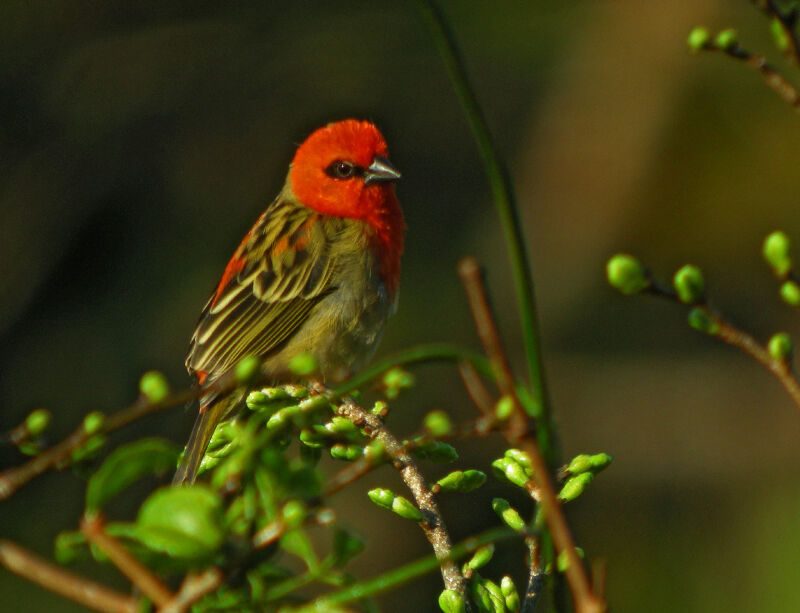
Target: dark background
<point>139,141</point>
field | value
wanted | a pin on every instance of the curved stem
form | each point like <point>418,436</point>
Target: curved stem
<point>504,199</point>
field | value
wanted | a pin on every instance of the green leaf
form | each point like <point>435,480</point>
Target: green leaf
<point>626,274</point>
<point>346,546</point>
<point>125,466</point>
<point>183,522</point>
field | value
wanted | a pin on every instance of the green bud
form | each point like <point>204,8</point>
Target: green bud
<point>510,594</point>
<point>436,451</point>
<point>508,514</point>
<point>698,39</point>
<point>70,546</point>
<point>626,274</point>
<point>303,365</point>
<point>701,319</point>
<point>689,285</point>
<point>776,251</point>
<point>727,39</point>
<point>779,36</point>
<point>406,509</point>
<point>279,419</point>
<point>480,558</point>
<point>93,423</point>
<point>562,562</point>
<point>575,486</point>
<point>312,438</point>
<point>379,408</point>
<point>346,453</point>
<point>521,458</point>
<point>462,481</point>
<point>89,448</point>
<point>480,595</point>
<point>382,497</point>
<point>510,470</point>
<point>247,369</point>
<point>153,386</point>
<point>30,448</point>
<point>36,423</point>
<point>397,380</point>
<point>587,463</point>
<point>340,425</point>
<point>790,293</point>
<point>496,595</point>
<point>374,452</point>
<point>780,346</point>
<point>504,408</point>
<point>451,601</point>
<point>294,514</point>
<point>437,423</point>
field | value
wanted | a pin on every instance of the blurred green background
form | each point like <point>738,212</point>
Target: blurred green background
<point>139,141</point>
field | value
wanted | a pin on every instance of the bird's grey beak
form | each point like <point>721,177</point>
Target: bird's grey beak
<point>380,171</point>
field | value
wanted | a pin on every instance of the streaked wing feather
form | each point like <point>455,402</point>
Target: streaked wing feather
<point>286,270</point>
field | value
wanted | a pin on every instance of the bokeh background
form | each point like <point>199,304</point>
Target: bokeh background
<point>138,142</point>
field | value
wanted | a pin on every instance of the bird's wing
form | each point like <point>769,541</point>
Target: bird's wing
<point>282,268</point>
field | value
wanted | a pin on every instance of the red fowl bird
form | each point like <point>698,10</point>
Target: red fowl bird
<point>317,274</point>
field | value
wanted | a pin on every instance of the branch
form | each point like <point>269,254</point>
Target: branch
<point>28,565</point>
<point>787,21</point>
<point>150,585</point>
<point>517,433</point>
<point>433,524</point>
<point>193,588</point>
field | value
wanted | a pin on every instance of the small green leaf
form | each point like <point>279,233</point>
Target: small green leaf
<point>93,423</point>
<point>698,39</point>
<point>689,284</point>
<point>38,421</point>
<point>303,365</point>
<point>451,601</point>
<point>382,497</point>
<point>780,346</point>
<point>436,451</point>
<point>777,253</point>
<point>125,466</point>
<point>588,463</point>
<point>575,486</point>
<point>626,274</point>
<point>727,39</point>
<point>779,35</point>
<point>480,558</point>
<point>396,381</point>
<point>247,369</point>
<point>510,593</point>
<point>154,386</point>
<point>790,293</point>
<point>511,471</point>
<point>504,408</point>
<point>701,319</point>
<point>508,514</point>
<point>406,509</point>
<point>183,522</point>
<point>437,423</point>
<point>462,481</point>
<point>70,546</point>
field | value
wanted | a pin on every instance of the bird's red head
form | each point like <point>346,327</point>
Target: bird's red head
<point>342,170</point>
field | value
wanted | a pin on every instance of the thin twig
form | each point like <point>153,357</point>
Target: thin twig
<point>194,588</point>
<point>517,434</point>
<point>29,566</point>
<point>475,387</point>
<point>433,524</point>
<point>788,22</point>
<point>535,575</point>
<point>150,585</point>
<point>746,343</point>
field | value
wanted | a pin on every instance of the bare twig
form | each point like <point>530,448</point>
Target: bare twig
<point>535,575</point>
<point>475,387</point>
<point>787,21</point>
<point>194,588</point>
<point>518,434</point>
<point>743,341</point>
<point>150,585</point>
<point>433,524</point>
<point>65,583</point>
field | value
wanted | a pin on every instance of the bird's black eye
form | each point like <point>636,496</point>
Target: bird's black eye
<point>342,170</point>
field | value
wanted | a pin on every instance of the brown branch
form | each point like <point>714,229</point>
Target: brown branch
<point>193,588</point>
<point>476,388</point>
<point>518,433</point>
<point>535,575</point>
<point>772,78</point>
<point>746,343</point>
<point>29,566</point>
<point>433,524</point>
<point>150,585</point>
<point>787,22</point>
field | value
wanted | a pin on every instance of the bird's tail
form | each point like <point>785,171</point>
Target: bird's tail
<point>204,427</point>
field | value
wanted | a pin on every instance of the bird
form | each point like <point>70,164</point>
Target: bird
<point>317,274</point>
